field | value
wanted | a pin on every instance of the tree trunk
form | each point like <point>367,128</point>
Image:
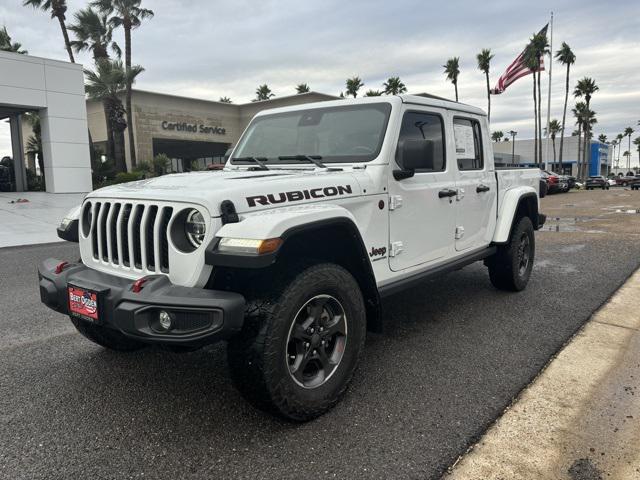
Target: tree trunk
<point>127,47</point>
<point>553,142</point>
<point>118,148</point>
<point>456,87</point>
<point>107,116</point>
<point>488,97</point>
<point>65,34</point>
<point>579,147</point>
<point>535,119</point>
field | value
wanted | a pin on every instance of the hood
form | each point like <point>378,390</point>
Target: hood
<point>248,190</point>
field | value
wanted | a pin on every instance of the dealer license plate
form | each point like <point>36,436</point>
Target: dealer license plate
<point>83,303</point>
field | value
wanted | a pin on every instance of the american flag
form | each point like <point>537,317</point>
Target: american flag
<point>516,70</point>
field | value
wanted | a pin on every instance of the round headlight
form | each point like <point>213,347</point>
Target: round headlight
<point>195,228</point>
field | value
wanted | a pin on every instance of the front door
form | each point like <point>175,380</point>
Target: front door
<point>476,184</point>
<point>422,227</point>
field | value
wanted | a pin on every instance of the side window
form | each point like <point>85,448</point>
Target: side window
<point>468,144</point>
<point>427,127</point>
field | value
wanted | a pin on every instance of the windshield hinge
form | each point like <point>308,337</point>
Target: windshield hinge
<point>395,201</point>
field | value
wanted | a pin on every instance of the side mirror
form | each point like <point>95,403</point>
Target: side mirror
<point>413,154</point>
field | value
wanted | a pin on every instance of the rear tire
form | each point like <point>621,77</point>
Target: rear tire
<point>300,343</point>
<point>510,267</point>
<point>106,337</point>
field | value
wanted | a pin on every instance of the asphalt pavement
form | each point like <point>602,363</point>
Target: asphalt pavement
<point>455,355</point>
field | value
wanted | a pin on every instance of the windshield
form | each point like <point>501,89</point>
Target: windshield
<point>350,133</point>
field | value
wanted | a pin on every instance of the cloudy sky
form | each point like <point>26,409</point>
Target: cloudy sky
<point>211,48</point>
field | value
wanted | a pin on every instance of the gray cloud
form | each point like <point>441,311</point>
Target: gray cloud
<point>209,49</point>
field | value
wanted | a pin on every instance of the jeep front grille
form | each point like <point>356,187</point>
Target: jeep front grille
<point>130,235</point>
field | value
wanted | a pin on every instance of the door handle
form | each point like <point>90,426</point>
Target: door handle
<point>447,192</point>
<point>482,188</point>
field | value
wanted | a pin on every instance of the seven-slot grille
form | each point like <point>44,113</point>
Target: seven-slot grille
<point>130,235</point>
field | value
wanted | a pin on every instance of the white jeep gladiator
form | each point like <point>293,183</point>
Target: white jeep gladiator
<point>321,211</point>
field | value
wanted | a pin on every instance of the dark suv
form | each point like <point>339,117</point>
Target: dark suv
<point>597,182</point>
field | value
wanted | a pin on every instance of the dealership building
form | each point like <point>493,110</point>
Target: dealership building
<point>185,129</point>
<point>524,155</point>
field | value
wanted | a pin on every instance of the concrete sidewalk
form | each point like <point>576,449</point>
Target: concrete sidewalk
<point>580,419</point>
<point>34,221</point>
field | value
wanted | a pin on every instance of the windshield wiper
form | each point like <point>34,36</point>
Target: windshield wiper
<point>257,160</point>
<point>311,158</point>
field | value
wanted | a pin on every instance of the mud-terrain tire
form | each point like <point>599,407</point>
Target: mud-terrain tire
<point>300,343</point>
<point>510,267</point>
<point>106,337</point>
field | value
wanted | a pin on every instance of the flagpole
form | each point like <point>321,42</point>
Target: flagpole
<point>546,154</point>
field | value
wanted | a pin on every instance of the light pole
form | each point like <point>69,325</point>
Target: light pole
<point>513,134</point>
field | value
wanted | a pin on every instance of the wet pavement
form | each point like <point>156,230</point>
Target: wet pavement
<point>580,420</point>
<point>457,352</point>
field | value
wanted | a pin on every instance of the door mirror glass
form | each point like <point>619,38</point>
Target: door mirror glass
<point>414,154</point>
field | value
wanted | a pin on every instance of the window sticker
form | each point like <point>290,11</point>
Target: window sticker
<point>465,146</point>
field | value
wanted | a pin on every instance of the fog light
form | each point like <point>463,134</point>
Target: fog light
<point>165,319</point>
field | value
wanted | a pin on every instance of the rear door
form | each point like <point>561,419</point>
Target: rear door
<point>422,222</point>
<point>476,183</point>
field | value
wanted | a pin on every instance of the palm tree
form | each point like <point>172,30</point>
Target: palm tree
<point>263,92</point>
<point>92,33</point>
<point>394,86</point>
<point>540,46</point>
<point>106,84</point>
<point>225,100</point>
<point>452,71</point>
<point>619,137</point>
<point>554,129</point>
<point>568,58</point>
<point>129,15</point>
<point>579,113</point>
<point>627,132</point>
<point>532,63</point>
<point>497,136</point>
<point>58,9</point>
<point>353,85</point>
<point>602,138</point>
<point>302,88</point>
<point>585,88</point>
<point>484,62</point>
<point>6,45</point>
<point>636,142</point>
<point>373,93</point>
<point>627,154</point>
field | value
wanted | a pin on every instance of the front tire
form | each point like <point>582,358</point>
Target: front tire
<point>300,343</point>
<point>106,337</point>
<point>510,267</point>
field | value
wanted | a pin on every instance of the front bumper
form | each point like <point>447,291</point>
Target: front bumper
<point>200,316</point>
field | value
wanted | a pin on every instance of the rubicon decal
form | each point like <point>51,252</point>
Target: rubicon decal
<point>297,195</point>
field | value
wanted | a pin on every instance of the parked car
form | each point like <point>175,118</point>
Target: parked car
<point>288,254</point>
<point>544,184</point>
<point>555,183</point>
<point>565,183</point>
<point>624,181</point>
<point>596,182</point>
<point>635,183</point>
<point>612,182</point>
